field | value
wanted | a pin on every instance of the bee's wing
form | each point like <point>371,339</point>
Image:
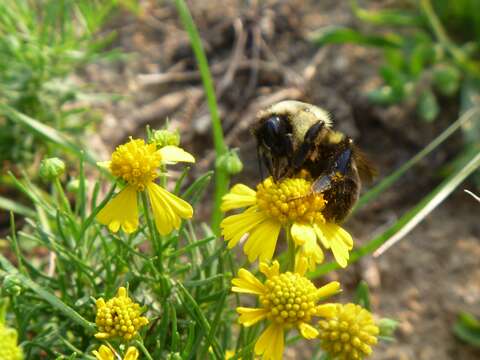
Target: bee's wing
<point>366,170</point>
<point>324,182</point>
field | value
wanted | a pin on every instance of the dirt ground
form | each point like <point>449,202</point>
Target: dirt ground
<point>260,54</point>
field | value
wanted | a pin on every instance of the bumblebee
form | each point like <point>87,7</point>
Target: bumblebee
<point>293,136</point>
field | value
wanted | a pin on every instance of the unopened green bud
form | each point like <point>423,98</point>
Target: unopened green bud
<point>12,285</point>
<point>73,186</point>
<point>165,137</point>
<point>387,327</point>
<point>230,162</point>
<point>51,168</point>
<point>174,356</point>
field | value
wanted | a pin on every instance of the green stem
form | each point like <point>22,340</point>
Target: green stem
<point>221,176</point>
<point>144,349</point>
<point>440,33</point>
<point>61,194</point>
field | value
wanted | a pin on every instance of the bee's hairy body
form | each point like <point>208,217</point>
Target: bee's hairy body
<point>293,136</point>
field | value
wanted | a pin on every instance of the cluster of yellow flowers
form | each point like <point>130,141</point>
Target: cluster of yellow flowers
<point>290,300</point>
<point>286,299</point>
<point>9,349</point>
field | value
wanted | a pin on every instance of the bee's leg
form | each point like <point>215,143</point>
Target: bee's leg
<point>308,142</point>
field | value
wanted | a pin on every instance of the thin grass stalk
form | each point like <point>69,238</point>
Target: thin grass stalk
<point>221,176</point>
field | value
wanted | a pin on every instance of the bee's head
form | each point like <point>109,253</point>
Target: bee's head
<point>286,133</point>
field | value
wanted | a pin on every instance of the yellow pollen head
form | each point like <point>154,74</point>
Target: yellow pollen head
<point>136,162</point>
<point>119,317</point>
<point>349,333</point>
<point>9,350</point>
<point>290,299</point>
<point>290,200</point>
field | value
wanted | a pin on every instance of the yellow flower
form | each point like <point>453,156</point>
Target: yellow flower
<point>118,317</point>
<point>137,164</point>
<point>291,204</point>
<point>287,300</point>
<point>105,353</point>
<point>348,333</point>
<point>9,350</point>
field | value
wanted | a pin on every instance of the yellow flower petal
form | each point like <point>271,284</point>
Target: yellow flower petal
<point>301,265</point>
<point>337,239</point>
<point>321,236</point>
<point>271,343</point>
<point>302,233</point>
<point>167,209</point>
<point>330,289</point>
<point>250,316</point>
<point>239,196</point>
<point>235,226</point>
<point>326,310</point>
<point>312,252</point>
<point>247,283</point>
<point>270,271</point>
<point>103,353</point>
<point>131,354</point>
<point>104,164</point>
<point>121,211</point>
<point>262,241</point>
<point>173,154</point>
<point>308,331</point>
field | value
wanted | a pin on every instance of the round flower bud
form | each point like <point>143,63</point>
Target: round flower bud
<point>387,327</point>
<point>165,137</point>
<point>12,285</point>
<point>73,186</point>
<point>230,162</point>
<point>51,168</point>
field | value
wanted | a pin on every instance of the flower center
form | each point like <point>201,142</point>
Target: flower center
<point>290,298</point>
<point>350,333</point>
<point>136,163</point>
<point>290,200</point>
<point>119,316</point>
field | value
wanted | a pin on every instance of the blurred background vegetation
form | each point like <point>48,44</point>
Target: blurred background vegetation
<point>401,77</point>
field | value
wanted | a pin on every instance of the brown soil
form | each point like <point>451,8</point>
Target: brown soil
<point>260,55</point>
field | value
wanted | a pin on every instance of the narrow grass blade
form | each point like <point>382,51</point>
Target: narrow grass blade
<point>344,35</point>
<point>10,205</point>
<point>397,174</point>
<point>221,176</point>
<point>45,132</point>
<point>47,296</point>
<point>409,220</point>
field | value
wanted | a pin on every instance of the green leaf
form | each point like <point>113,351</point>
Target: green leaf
<point>344,35</point>
<point>470,98</point>
<point>383,96</point>
<point>467,328</point>
<point>427,106</point>
<point>362,295</point>
<point>46,295</point>
<point>46,132</point>
<point>446,79</point>
<point>390,17</point>
<point>10,205</point>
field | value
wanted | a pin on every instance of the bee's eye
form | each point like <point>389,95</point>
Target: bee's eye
<point>277,135</point>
